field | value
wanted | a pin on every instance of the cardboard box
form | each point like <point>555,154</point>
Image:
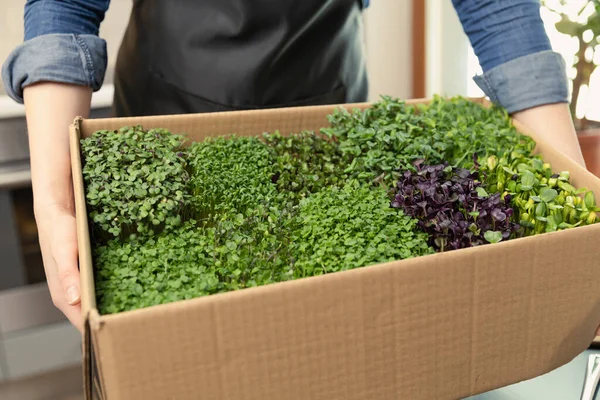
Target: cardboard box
<point>444,326</point>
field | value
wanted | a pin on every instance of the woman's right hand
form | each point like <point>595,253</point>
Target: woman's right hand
<point>50,109</point>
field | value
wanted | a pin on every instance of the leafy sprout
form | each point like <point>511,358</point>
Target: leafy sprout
<point>453,208</point>
<point>381,142</point>
<point>390,182</point>
<point>137,181</point>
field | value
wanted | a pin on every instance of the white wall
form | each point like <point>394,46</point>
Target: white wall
<point>389,47</point>
<point>11,28</point>
<point>447,50</point>
<point>112,30</point>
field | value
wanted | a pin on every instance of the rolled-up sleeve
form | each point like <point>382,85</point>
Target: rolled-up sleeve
<point>520,69</point>
<point>61,45</point>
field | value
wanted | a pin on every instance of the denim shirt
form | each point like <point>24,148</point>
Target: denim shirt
<point>520,69</point>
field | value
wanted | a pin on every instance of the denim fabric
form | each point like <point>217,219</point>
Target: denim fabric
<point>508,37</point>
<point>63,16</point>
<point>65,58</point>
<point>520,70</point>
<point>528,81</point>
<point>61,45</point>
<point>502,30</point>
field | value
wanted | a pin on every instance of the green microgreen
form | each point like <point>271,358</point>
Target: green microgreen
<point>137,181</point>
<point>170,222</point>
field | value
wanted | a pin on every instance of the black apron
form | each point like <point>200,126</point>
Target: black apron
<point>193,56</point>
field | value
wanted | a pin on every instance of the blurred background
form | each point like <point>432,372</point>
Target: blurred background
<point>416,48</point>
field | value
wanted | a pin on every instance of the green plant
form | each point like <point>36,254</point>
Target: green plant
<point>333,230</point>
<point>350,227</point>
<point>234,212</point>
<point>230,175</point>
<point>543,201</point>
<point>304,163</point>
<point>169,267</point>
<point>137,181</point>
<point>381,142</point>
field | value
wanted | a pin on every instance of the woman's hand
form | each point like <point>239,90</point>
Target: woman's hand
<point>553,122</point>
<point>50,109</point>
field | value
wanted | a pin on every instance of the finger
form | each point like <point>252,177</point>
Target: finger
<point>73,313</point>
<point>47,226</point>
<point>598,332</point>
<point>64,254</point>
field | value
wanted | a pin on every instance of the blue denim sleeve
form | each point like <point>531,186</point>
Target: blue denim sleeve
<point>61,45</point>
<point>520,70</point>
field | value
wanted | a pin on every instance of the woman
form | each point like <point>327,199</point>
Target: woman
<point>186,56</point>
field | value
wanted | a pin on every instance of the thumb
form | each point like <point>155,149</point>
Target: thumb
<point>64,252</point>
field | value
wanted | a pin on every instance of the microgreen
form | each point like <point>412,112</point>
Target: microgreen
<point>390,182</point>
<point>305,163</point>
<point>168,267</point>
<point>230,175</point>
<point>136,181</point>
<point>349,227</point>
<point>543,201</point>
<point>452,207</point>
<point>333,230</point>
<point>382,141</point>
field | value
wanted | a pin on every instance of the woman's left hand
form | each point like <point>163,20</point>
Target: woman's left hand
<point>553,122</point>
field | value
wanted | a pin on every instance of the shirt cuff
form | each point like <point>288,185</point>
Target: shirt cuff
<point>528,81</point>
<point>64,58</point>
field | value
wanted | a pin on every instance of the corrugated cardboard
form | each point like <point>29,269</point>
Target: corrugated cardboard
<point>444,326</point>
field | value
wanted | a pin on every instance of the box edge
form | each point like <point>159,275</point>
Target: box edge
<point>84,254</point>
